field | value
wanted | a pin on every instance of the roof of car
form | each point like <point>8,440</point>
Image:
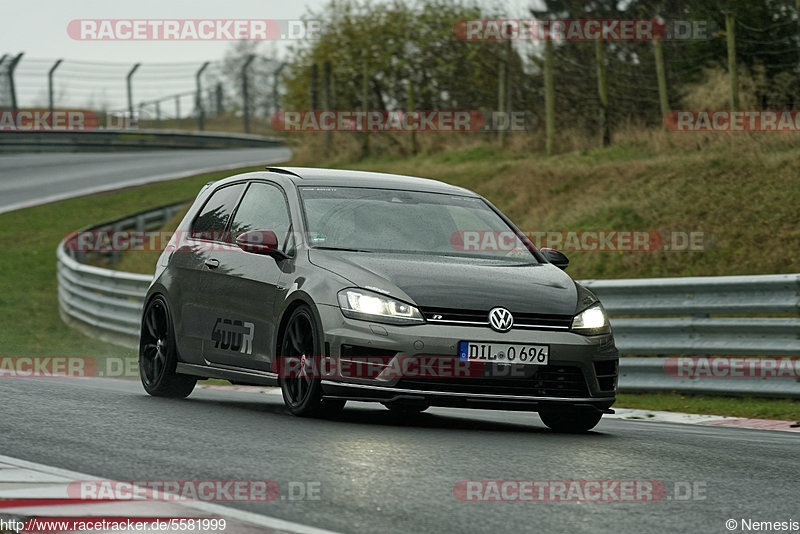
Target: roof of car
<point>314,176</point>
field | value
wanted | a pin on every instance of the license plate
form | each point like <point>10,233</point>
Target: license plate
<point>473,351</point>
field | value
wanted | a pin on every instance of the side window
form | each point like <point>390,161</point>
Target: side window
<point>210,223</point>
<point>263,208</point>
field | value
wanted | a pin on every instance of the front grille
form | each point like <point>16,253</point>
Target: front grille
<point>546,381</point>
<point>451,316</point>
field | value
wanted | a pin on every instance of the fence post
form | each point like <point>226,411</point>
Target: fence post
<point>501,98</point>
<point>313,87</point>
<point>549,96</point>
<point>411,108</point>
<point>602,89</point>
<point>245,97</point>
<point>658,51</point>
<point>177,111</point>
<point>158,114</point>
<point>365,108</point>
<point>276,80</point>
<point>327,101</point>
<point>11,67</point>
<point>198,99</point>
<point>731,39</point>
<point>50,87</point>
<point>132,121</point>
<point>219,99</point>
<point>2,60</point>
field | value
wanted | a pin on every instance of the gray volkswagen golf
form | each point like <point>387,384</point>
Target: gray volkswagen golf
<point>342,285</point>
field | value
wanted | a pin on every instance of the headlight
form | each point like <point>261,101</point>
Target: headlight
<point>591,321</point>
<point>368,306</point>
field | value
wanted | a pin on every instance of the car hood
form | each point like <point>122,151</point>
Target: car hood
<point>456,283</point>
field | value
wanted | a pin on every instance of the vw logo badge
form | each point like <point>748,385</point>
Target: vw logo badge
<point>501,319</point>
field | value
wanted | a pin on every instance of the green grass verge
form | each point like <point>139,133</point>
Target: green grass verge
<point>756,408</point>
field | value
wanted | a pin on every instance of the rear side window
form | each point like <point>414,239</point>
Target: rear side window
<point>212,220</point>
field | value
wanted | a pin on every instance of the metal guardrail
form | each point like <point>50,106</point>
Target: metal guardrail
<point>741,298</point>
<point>105,303</point>
<point>650,375</point>
<point>108,304</point>
<point>116,140</point>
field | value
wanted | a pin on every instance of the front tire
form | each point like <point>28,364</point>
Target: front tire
<point>300,350</point>
<point>570,420</point>
<point>158,355</point>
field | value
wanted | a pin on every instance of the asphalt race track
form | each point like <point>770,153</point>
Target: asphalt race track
<point>28,179</point>
<point>380,473</point>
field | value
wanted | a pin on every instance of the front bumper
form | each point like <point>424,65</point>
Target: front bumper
<point>581,371</point>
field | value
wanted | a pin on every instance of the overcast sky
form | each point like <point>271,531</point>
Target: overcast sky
<point>39,29</point>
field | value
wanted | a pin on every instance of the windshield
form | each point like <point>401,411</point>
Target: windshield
<point>388,220</point>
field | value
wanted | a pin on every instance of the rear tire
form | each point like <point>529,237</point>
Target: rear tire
<point>158,354</point>
<point>570,420</point>
<point>300,349</point>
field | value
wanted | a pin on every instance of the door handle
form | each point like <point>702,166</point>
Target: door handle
<point>212,263</point>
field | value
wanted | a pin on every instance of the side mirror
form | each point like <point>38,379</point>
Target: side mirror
<point>260,242</point>
<point>555,257</point>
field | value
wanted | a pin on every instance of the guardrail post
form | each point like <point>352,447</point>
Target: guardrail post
<point>199,97</point>
<point>133,121</point>
<point>50,87</point>
<point>246,102</point>
<point>11,67</point>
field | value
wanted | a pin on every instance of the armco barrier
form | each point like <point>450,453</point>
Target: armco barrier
<point>101,302</point>
<point>743,300</point>
<point>121,140</point>
<point>108,304</point>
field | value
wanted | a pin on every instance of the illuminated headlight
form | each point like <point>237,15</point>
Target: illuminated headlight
<point>360,304</point>
<point>591,321</point>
